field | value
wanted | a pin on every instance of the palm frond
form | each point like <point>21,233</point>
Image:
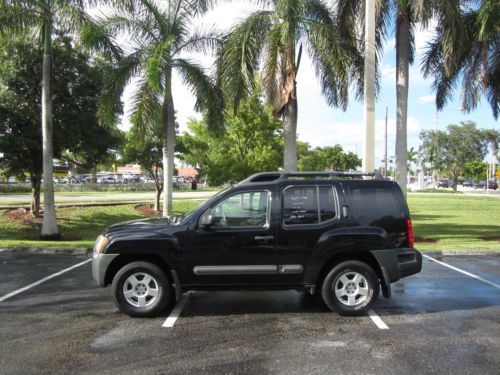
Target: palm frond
<point>146,110</point>
<point>238,61</point>
<point>209,95</point>
<point>116,78</point>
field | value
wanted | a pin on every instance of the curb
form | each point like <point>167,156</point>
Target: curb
<point>50,250</point>
<point>88,251</point>
<point>95,204</point>
<point>447,253</point>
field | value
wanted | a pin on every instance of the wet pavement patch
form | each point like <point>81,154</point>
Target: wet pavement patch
<point>440,321</point>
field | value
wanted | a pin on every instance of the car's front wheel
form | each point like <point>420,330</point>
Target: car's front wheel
<point>141,289</point>
<point>350,288</point>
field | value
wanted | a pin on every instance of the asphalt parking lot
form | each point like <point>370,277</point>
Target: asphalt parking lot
<point>439,321</point>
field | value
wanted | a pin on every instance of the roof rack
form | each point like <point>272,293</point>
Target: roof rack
<point>276,176</point>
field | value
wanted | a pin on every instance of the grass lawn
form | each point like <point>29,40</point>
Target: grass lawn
<point>454,222</point>
<point>79,226</point>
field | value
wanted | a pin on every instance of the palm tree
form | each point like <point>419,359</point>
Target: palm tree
<point>407,14</point>
<point>466,47</point>
<point>160,33</point>
<point>44,17</point>
<point>271,41</point>
<point>412,157</point>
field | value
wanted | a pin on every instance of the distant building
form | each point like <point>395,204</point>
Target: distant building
<point>187,172</point>
<point>129,169</point>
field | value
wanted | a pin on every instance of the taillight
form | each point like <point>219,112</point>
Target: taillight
<point>410,233</point>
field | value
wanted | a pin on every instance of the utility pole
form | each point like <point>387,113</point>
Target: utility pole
<point>369,88</point>
<point>385,154</point>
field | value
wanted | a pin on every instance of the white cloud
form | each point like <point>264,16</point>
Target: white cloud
<point>426,99</point>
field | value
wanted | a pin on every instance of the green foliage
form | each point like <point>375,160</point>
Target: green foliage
<point>476,170</point>
<point>271,41</point>
<point>329,158</point>
<point>76,86</point>
<point>465,50</point>
<point>453,149</point>
<point>253,142</point>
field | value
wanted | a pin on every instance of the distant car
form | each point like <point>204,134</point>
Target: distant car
<point>468,183</point>
<point>106,180</point>
<point>443,183</point>
<point>482,185</point>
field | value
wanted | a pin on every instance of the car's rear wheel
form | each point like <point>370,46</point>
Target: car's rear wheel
<point>350,288</point>
<point>141,289</point>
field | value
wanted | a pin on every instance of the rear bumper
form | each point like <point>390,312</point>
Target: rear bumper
<point>398,263</point>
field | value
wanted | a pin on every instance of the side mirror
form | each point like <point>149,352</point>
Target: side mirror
<point>207,221</point>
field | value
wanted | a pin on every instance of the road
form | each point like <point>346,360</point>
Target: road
<point>439,321</point>
<point>93,197</point>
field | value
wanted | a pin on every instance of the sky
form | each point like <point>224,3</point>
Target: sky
<point>322,125</point>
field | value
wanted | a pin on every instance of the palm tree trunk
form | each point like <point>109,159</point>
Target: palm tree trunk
<point>168,134</point>
<point>290,132</point>
<point>49,226</point>
<point>402,66</point>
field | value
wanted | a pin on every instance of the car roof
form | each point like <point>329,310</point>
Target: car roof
<point>274,178</point>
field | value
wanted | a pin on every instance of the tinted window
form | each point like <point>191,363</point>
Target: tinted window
<point>300,205</point>
<point>375,202</point>
<point>247,209</point>
<point>326,203</point>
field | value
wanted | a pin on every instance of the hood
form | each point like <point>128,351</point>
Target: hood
<point>153,224</point>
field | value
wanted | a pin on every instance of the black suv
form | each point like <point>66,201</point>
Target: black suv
<point>330,233</point>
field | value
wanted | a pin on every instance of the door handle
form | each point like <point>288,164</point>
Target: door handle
<point>264,238</point>
<point>345,211</point>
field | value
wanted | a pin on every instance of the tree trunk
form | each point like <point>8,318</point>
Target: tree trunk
<point>49,226</point>
<point>168,134</point>
<point>94,175</point>
<point>36,181</point>
<point>290,131</point>
<point>402,65</point>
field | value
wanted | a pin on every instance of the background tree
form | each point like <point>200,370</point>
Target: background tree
<point>412,157</point>
<point>459,145</point>
<point>406,14</point>
<point>329,158</point>
<point>148,154</point>
<point>476,170</point>
<point>276,37</point>
<point>253,143</point>
<point>465,49</point>
<point>162,35</point>
<point>45,17</point>
<point>75,89</point>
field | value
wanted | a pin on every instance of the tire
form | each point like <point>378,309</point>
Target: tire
<point>147,286</point>
<point>357,285</point>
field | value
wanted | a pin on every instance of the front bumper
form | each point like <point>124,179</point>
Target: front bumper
<point>398,263</point>
<point>100,265</point>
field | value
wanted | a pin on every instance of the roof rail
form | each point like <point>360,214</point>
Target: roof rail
<point>279,175</point>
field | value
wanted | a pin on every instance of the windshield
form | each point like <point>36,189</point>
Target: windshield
<point>202,206</point>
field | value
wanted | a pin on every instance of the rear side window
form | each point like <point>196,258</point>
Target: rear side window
<point>375,202</point>
<point>300,204</point>
<point>326,203</point>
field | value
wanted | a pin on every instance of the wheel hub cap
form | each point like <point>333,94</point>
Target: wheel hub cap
<point>140,289</point>
<point>351,288</point>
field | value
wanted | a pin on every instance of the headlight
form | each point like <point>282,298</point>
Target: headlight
<point>100,243</point>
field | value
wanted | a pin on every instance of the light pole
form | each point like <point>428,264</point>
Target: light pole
<point>369,88</point>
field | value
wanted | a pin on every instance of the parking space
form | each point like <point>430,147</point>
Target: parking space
<point>439,321</point>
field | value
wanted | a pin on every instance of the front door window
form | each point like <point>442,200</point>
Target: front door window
<point>248,209</point>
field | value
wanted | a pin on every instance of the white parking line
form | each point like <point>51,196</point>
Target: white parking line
<point>464,272</point>
<point>377,320</point>
<point>16,292</point>
<point>172,318</point>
